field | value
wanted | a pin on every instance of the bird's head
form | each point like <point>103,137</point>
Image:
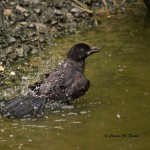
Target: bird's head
<point>81,51</point>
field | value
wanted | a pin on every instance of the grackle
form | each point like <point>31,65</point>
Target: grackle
<point>64,83</point>
<point>147,3</point>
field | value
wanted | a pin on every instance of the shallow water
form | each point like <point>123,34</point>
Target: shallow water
<point>114,114</point>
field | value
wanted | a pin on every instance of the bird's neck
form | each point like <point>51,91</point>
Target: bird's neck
<point>79,65</point>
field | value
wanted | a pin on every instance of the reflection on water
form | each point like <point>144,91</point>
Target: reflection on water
<point>114,114</point>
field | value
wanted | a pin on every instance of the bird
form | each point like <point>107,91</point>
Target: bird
<point>64,83</point>
<point>147,3</point>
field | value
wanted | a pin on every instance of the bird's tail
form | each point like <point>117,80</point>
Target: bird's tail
<point>25,106</point>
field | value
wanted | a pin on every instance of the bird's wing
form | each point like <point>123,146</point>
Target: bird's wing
<point>64,85</point>
<point>65,82</point>
<point>53,81</point>
<point>69,86</point>
<point>36,85</point>
<point>76,86</point>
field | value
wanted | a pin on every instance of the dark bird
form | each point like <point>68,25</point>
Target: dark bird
<point>64,83</point>
<point>147,3</point>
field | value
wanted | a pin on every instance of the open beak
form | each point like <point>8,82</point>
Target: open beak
<point>93,50</point>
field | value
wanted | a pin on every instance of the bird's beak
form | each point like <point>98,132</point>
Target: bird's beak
<point>93,50</point>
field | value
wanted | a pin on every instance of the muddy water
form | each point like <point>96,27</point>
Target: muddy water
<point>114,114</point>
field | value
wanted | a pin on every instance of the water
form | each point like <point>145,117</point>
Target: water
<point>114,114</point>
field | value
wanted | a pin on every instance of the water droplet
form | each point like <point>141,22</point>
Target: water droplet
<point>11,135</point>
<point>72,113</point>
<point>118,116</point>
<point>60,120</point>
<point>77,122</point>
<point>83,112</point>
<point>58,127</point>
<point>2,130</point>
<point>35,107</point>
<point>145,93</point>
<point>20,145</point>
